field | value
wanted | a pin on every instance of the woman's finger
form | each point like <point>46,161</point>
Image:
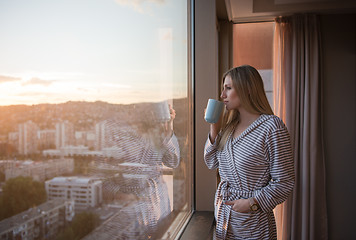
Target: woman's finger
<point>230,202</point>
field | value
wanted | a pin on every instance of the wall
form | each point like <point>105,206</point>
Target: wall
<point>339,64</point>
<point>206,78</point>
<point>253,44</point>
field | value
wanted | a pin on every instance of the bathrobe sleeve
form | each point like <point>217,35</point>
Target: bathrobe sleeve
<point>210,154</point>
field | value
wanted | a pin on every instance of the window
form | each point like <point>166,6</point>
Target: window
<point>95,95</point>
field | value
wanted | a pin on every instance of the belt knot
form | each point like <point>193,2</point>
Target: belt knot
<point>228,192</point>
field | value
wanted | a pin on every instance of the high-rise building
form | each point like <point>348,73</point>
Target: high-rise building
<point>64,134</point>
<point>28,138</point>
<point>100,135</point>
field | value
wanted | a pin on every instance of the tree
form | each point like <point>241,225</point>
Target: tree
<point>19,194</point>
<point>83,223</point>
<point>67,234</point>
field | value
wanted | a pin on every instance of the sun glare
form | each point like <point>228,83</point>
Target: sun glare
<point>56,59</point>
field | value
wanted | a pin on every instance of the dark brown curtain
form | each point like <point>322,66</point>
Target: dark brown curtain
<point>298,101</point>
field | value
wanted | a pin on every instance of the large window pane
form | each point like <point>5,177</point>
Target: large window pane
<point>95,140</point>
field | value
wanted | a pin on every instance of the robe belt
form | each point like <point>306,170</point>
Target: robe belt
<point>225,192</point>
<point>230,193</point>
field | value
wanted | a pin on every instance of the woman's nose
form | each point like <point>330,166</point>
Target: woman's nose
<point>222,95</point>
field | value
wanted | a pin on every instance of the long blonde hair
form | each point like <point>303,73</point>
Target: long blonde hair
<point>248,85</point>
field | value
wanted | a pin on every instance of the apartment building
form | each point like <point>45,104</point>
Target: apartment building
<point>39,171</point>
<point>41,222</point>
<point>64,134</point>
<point>85,192</point>
<point>28,137</point>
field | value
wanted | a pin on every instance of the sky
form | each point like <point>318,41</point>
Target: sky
<point>118,51</point>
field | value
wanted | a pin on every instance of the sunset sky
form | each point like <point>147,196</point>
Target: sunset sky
<point>122,51</point>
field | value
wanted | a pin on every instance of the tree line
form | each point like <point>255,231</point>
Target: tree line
<point>20,194</point>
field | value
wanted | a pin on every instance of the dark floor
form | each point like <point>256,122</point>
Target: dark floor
<point>200,226</point>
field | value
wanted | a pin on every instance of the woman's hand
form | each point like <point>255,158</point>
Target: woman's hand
<point>240,205</point>
<point>168,126</point>
<point>214,128</point>
<point>172,112</point>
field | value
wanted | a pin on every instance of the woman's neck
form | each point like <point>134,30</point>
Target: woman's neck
<point>246,118</point>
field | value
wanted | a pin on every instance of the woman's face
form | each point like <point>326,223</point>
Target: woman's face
<point>229,95</point>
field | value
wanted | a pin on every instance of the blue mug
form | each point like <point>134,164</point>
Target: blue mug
<point>213,111</point>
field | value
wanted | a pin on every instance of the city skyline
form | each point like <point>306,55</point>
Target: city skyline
<point>115,51</point>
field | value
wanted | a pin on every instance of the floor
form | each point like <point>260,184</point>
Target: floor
<point>200,227</point>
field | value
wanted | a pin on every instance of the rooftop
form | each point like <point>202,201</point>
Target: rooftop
<point>31,213</point>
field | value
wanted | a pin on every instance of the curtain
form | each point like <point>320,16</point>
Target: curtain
<point>298,101</point>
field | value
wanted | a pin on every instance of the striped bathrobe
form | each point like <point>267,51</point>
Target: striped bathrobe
<point>259,164</point>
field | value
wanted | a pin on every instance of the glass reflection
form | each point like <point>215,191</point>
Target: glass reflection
<point>95,119</point>
<point>132,173</point>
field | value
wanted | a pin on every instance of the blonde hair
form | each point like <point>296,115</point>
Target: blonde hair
<point>248,85</point>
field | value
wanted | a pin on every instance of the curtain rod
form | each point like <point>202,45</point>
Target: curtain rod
<point>252,21</point>
<point>259,19</point>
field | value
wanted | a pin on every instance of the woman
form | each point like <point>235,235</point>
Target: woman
<point>252,150</point>
<point>133,175</point>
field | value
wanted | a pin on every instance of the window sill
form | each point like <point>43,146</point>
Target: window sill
<point>200,226</point>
